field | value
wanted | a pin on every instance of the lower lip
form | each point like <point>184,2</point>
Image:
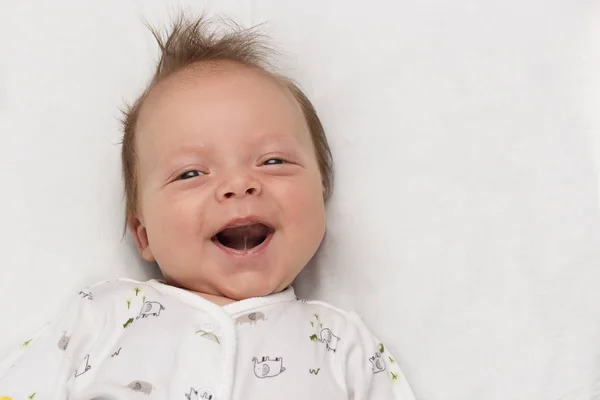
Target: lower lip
<point>253,252</point>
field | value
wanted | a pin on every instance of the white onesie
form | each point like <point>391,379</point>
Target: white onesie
<point>124,339</point>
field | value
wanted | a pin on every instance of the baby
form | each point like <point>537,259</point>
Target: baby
<point>226,169</point>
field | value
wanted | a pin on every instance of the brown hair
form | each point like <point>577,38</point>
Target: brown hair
<point>191,41</point>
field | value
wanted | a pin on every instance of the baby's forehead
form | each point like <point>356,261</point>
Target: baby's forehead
<point>215,95</point>
<point>216,81</point>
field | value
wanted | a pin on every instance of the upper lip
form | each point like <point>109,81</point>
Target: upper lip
<point>249,220</point>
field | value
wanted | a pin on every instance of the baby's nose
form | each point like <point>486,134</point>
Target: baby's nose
<point>235,193</point>
<point>238,186</point>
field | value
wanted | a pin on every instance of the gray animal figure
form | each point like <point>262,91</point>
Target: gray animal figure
<point>329,339</point>
<point>251,318</point>
<point>194,395</point>
<point>63,342</point>
<point>150,308</point>
<point>141,387</point>
<point>378,363</point>
<point>267,368</point>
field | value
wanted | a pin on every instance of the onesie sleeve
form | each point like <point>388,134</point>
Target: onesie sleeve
<point>41,366</point>
<point>370,371</point>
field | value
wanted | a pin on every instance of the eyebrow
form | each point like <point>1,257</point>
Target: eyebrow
<point>203,150</point>
<point>180,152</point>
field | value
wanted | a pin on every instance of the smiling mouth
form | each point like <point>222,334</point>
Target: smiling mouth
<point>243,237</point>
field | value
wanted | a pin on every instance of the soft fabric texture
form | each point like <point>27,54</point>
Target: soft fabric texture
<point>124,339</point>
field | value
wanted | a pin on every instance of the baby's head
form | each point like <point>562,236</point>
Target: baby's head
<point>226,166</point>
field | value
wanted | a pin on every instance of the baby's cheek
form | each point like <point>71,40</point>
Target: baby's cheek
<point>175,232</point>
<point>307,210</point>
<point>171,218</point>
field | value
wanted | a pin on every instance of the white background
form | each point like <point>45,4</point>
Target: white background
<point>464,227</point>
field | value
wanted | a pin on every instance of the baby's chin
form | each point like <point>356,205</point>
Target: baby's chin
<point>251,287</point>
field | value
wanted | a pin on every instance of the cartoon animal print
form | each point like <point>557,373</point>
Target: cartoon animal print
<point>63,342</point>
<point>251,318</point>
<point>141,387</point>
<point>150,308</point>
<point>86,295</point>
<point>86,367</point>
<point>378,363</point>
<point>197,395</point>
<point>267,368</point>
<point>330,340</point>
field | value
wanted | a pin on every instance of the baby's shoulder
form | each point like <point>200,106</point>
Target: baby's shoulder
<point>325,308</point>
<point>323,314</point>
<point>121,287</point>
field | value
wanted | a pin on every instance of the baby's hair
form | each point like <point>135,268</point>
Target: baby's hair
<point>191,41</point>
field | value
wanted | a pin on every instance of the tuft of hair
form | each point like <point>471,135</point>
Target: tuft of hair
<point>193,40</point>
<point>200,40</point>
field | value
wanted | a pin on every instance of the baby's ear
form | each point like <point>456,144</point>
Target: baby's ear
<point>138,230</point>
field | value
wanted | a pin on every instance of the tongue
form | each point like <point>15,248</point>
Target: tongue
<point>243,237</point>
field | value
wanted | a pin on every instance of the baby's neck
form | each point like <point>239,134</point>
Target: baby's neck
<point>213,298</point>
<point>218,300</point>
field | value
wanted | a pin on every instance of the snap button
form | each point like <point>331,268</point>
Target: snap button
<point>208,327</point>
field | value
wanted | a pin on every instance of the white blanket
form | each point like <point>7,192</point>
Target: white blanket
<point>464,226</point>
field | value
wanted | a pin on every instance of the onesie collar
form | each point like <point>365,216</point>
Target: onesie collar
<point>195,300</point>
<point>285,295</point>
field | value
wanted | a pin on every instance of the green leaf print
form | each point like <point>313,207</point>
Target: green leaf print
<point>395,377</point>
<point>313,337</point>
<point>31,396</point>
<point>392,360</point>
<point>128,304</point>
<point>209,336</point>
<point>129,322</point>
<point>137,290</point>
<point>381,348</point>
<point>26,344</point>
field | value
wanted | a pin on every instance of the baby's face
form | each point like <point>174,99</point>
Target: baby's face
<point>227,148</point>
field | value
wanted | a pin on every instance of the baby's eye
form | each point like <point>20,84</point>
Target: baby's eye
<point>274,161</point>
<point>190,174</point>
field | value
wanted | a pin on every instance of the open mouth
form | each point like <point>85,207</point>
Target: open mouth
<point>245,237</point>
